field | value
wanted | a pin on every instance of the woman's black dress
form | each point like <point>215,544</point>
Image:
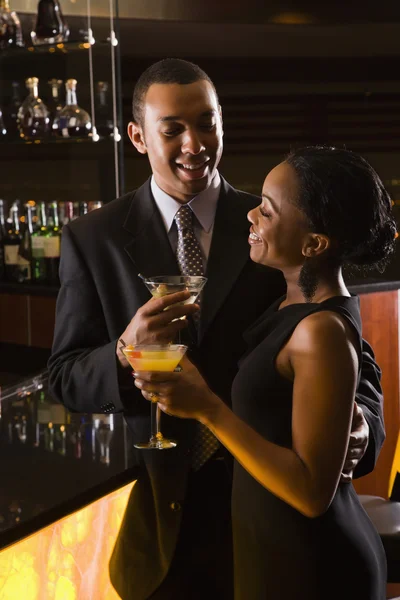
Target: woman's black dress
<point>279,553</point>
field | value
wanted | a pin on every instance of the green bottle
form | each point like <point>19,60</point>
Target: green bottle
<point>38,262</point>
<point>52,244</point>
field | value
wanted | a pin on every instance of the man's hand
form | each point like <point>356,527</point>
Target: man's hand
<point>358,443</point>
<point>153,324</point>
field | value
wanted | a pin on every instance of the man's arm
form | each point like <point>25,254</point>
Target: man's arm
<point>369,397</point>
<point>84,373</point>
<point>87,372</point>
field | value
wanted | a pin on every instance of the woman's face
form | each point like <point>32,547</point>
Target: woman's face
<point>278,229</point>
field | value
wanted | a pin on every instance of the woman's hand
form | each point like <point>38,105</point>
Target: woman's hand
<point>182,394</point>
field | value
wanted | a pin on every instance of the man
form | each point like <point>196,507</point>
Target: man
<point>175,537</point>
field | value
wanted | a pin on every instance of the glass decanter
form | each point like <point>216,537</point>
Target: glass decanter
<point>33,114</point>
<point>72,120</point>
<point>55,104</point>
<point>11,111</point>
<point>10,27</point>
<point>51,27</point>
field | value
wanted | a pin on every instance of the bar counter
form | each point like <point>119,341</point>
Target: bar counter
<point>66,478</point>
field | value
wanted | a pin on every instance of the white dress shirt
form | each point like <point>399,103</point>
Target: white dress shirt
<point>203,206</point>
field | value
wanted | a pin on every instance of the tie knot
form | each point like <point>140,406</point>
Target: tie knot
<point>184,218</point>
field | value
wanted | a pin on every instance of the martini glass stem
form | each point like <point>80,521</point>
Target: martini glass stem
<point>159,435</point>
<point>155,422</point>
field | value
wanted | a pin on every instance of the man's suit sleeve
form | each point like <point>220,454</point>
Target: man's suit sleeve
<point>84,373</point>
<point>369,396</point>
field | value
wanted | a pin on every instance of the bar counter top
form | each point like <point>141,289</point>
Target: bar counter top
<point>371,285</point>
<point>53,462</point>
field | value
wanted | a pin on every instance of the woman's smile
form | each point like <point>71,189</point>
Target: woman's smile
<point>253,238</point>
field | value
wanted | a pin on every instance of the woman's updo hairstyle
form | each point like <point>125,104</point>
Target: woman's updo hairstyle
<point>343,197</point>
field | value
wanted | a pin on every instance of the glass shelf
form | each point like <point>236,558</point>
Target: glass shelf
<point>65,149</point>
<point>62,48</point>
<point>55,141</point>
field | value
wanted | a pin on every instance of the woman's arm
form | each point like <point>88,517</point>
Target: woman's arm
<point>305,476</point>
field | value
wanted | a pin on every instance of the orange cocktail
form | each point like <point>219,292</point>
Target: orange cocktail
<point>155,357</point>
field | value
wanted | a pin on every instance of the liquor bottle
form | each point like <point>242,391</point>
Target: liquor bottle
<point>52,244</point>
<point>75,427</point>
<point>83,208</point>
<point>35,215</point>
<point>72,120</point>
<point>55,105</point>
<point>20,418</point>
<point>61,212</point>
<point>17,268</point>
<point>2,238</point>
<point>42,213</point>
<point>43,414</point>
<point>3,128</point>
<point>10,27</point>
<point>104,121</point>
<point>69,214</point>
<point>51,27</point>
<point>49,437</point>
<point>11,111</point>
<point>95,205</point>
<point>104,428</point>
<point>25,247</point>
<point>33,115</point>
<point>38,263</point>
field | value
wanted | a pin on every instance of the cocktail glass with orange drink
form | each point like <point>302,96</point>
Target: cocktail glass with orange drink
<point>155,357</point>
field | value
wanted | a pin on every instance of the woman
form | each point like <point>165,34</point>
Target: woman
<point>299,533</point>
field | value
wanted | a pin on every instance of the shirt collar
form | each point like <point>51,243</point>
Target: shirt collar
<point>203,205</point>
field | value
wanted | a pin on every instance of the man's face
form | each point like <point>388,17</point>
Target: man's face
<point>182,135</point>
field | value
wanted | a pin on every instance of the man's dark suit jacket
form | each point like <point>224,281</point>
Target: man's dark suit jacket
<point>102,254</point>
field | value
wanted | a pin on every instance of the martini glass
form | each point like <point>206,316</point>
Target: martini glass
<point>162,285</point>
<point>155,357</point>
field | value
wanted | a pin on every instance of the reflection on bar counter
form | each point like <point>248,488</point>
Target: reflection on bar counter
<point>50,455</point>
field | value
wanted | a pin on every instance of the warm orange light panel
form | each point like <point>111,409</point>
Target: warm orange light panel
<point>67,560</point>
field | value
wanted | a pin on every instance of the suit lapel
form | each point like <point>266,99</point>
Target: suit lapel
<point>149,249</point>
<point>151,253</point>
<point>229,253</point>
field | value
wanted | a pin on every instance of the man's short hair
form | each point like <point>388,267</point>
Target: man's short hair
<point>168,70</point>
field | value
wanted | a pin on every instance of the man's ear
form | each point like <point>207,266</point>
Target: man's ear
<point>136,136</point>
<point>220,116</point>
<point>315,245</point>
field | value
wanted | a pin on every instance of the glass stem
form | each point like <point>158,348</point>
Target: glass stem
<point>155,422</point>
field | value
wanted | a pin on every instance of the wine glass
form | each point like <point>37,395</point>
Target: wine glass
<point>155,357</point>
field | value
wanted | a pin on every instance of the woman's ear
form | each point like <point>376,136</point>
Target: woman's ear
<point>136,136</point>
<point>315,245</point>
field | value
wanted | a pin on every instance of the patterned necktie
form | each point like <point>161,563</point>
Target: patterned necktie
<point>191,263</point>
